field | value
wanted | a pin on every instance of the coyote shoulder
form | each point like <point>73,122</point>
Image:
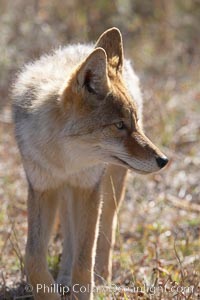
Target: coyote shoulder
<point>78,124</point>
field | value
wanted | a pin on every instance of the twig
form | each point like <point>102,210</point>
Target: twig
<point>183,204</point>
<point>16,249</point>
<point>4,283</point>
<point>179,261</point>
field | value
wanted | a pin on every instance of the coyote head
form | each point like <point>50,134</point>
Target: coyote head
<point>105,124</point>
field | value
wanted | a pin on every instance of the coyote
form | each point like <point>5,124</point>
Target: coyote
<point>78,124</point>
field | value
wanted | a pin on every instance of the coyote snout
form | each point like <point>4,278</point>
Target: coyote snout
<point>140,155</point>
<point>143,156</point>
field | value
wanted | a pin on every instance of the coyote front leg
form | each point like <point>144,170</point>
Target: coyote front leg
<point>85,208</point>
<point>113,188</point>
<point>41,212</point>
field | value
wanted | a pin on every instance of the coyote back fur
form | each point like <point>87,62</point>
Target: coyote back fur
<point>78,120</point>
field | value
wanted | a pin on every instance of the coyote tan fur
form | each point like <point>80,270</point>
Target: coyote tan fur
<point>78,121</point>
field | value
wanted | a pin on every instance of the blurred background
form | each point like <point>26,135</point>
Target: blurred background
<point>159,226</point>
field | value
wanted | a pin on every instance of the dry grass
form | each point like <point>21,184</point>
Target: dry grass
<point>159,226</point>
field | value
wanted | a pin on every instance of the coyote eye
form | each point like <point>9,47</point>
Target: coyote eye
<point>120,125</point>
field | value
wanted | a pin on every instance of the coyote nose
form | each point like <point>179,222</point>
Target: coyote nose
<point>162,161</point>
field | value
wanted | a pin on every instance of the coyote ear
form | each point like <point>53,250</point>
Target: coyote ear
<point>93,72</point>
<point>111,42</point>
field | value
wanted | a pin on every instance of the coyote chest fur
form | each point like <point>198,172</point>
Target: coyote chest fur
<point>78,123</point>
